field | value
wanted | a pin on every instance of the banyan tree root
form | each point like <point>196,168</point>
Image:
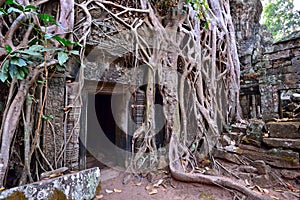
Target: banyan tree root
<point>177,173</point>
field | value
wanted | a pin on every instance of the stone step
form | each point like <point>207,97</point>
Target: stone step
<point>282,142</point>
<point>284,129</point>
<point>287,159</point>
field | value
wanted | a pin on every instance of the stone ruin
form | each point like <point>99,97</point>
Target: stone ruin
<point>270,90</point>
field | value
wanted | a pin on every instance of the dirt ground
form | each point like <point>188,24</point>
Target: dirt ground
<point>141,188</point>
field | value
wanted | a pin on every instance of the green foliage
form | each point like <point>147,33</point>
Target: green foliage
<point>18,62</point>
<point>46,118</point>
<point>281,18</point>
<point>201,6</point>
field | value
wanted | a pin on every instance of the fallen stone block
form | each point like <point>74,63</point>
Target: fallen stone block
<point>282,142</point>
<point>78,186</point>
<point>289,174</point>
<point>225,155</point>
<point>284,129</point>
<point>275,157</point>
<point>261,167</point>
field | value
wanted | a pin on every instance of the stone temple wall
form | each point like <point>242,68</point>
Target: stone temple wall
<point>267,69</point>
<point>282,73</point>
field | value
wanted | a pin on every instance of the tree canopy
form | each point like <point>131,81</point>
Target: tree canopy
<point>281,18</point>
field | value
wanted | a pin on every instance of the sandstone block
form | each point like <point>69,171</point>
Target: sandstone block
<point>284,129</point>
<point>282,142</point>
<point>79,186</point>
<point>275,157</point>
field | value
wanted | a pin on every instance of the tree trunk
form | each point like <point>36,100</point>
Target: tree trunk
<point>11,121</point>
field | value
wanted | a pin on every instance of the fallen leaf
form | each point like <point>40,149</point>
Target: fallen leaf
<point>266,191</point>
<point>153,191</point>
<point>278,190</point>
<point>54,175</point>
<point>109,191</point>
<point>148,187</point>
<point>172,185</point>
<point>139,184</point>
<point>67,108</point>
<point>117,191</point>
<point>273,197</point>
<point>259,188</point>
<point>182,162</point>
<point>99,196</point>
<point>247,182</point>
<point>252,187</point>
<point>158,183</point>
<point>292,188</point>
<point>164,185</point>
<point>2,188</point>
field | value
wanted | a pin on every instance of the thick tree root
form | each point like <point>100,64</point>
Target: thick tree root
<point>215,180</point>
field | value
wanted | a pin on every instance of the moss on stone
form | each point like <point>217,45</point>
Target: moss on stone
<point>98,189</point>
<point>58,195</point>
<point>17,195</point>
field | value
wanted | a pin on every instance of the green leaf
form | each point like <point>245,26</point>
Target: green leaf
<point>12,70</point>
<point>5,66</point>
<point>51,49</point>
<point>65,42</point>
<point>8,48</point>
<point>3,77</point>
<point>3,12</point>
<point>30,7</point>
<point>62,57</point>
<point>20,74</point>
<point>48,19</point>
<point>9,2</point>
<point>41,81</point>
<point>30,52</point>
<point>25,70</point>
<point>18,61</point>
<point>47,117</point>
<point>36,47</point>
<point>12,9</point>
<point>47,36</point>
<point>75,52</point>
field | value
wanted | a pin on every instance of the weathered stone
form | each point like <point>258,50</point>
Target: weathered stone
<point>54,106</point>
<point>291,107</point>
<point>247,169</point>
<point>282,142</point>
<point>284,129</point>
<point>225,141</point>
<point>234,136</point>
<point>290,174</point>
<point>239,128</point>
<point>295,97</point>
<point>280,55</point>
<point>225,155</point>
<point>261,167</point>
<point>244,175</point>
<point>79,186</point>
<point>265,181</point>
<point>274,157</point>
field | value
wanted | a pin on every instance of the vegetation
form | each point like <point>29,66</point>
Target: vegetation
<point>31,53</point>
<point>281,18</point>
